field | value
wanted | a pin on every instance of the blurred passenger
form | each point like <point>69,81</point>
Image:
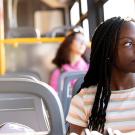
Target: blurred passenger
<point>107,96</point>
<point>69,57</point>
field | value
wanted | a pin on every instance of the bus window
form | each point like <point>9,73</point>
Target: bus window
<point>75,14</point>
<point>86,28</point>
<point>123,8</point>
<point>84,7</point>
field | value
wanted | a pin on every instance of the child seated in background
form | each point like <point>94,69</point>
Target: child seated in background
<point>107,96</point>
<point>69,57</point>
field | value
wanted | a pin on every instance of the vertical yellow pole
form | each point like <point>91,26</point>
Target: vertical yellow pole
<point>2,47</point>
<point>2,60</point>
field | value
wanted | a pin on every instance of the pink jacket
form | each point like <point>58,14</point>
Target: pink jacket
<point>81,65</point>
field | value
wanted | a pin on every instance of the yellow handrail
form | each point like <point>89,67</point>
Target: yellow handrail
<point>18,41</point>
<point>30,40</point>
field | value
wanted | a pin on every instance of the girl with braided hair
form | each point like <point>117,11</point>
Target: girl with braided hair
<point>106,98</point>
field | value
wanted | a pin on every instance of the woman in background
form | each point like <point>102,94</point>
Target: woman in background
<point>69,57</point>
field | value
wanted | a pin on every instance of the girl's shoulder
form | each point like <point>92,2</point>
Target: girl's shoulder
<point>55,74</point>
<point>83,102</point>
<point>56,71</point>
<point>88,91</point>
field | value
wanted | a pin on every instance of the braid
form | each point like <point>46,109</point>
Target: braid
<point>104,45</point>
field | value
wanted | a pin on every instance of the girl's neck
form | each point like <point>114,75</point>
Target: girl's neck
<point>74,58</point>
<point>121,80</point>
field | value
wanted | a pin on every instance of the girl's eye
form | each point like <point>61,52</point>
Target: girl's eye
<point>128,44</point>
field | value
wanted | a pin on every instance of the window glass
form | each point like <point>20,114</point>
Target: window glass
<point>74,14</point>
<point>86,29</point>
<point>84,7</point>
<point>123,8</point>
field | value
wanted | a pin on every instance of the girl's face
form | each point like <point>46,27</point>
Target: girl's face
<point>78,45</point>
<point>125,60</point>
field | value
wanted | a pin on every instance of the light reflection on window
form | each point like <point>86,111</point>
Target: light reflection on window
<point>84,7</point>
<point>86,29</point>
<point>74,13</point>
<point>123,8</point>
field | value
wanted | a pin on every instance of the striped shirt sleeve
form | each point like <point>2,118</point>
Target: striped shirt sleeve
<point>79,110</point>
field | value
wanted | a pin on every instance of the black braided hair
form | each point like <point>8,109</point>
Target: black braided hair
<point>103,51</point>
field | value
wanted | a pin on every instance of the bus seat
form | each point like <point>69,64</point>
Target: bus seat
<point>77,85</point>
<point>11,127</point>
<point>58,31</point>
<point>65,90</point>
<point>31,103</point>
<point>10,75</point>
<point>22,32</point>
<point>24,74</point>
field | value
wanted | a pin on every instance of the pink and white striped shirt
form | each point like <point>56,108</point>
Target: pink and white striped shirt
<point>120,111</point>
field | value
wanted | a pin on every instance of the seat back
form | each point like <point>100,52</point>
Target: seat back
<point>65,90</point>
<point>25,74</point>
<point>57,31</point>
<point>77,85</point>
<point>20,32</point>
<point>34,104</point>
